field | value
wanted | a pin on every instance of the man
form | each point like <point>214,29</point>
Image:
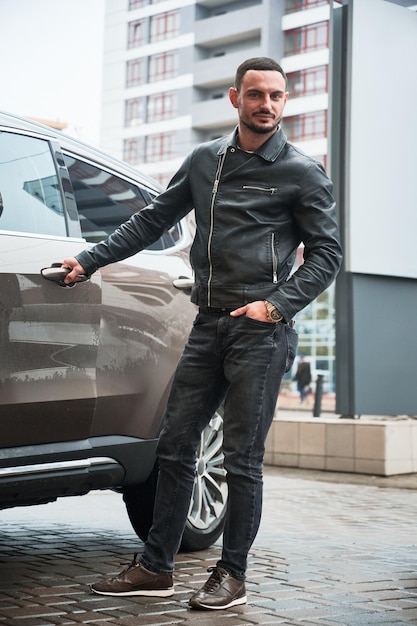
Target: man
<point>256,198</point>
<point>303,378</point>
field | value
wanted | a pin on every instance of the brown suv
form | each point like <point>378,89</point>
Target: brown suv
<point>85,371</point>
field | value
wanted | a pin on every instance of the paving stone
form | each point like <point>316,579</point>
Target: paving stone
<point>329,553</point>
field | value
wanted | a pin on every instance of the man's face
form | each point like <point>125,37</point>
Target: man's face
<point>260,100</point>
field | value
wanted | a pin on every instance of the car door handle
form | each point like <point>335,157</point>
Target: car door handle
<point>184,283</point>
<point>56,274</point>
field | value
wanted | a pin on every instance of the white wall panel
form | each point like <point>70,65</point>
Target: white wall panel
<point>382,140</point>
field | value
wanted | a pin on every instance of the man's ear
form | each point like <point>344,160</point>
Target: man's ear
<point>233,96</point>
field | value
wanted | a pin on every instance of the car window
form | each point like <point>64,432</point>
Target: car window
<point>30,197</point>
<point>105,200</point>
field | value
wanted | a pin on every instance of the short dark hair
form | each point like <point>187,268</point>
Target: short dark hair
<point>257,63</point>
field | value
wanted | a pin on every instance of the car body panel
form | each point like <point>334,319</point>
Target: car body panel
<point>141,340</point>
<point>84,371</point>
<point>49,343</point>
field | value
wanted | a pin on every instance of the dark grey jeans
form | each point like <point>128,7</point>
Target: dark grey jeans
<point>240,361</point>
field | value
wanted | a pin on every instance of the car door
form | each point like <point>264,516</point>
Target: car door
<point>145,319</point>
<point>48,334</point>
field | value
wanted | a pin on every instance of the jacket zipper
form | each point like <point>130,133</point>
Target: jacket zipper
<point>210,237</point>
<point>270,190</point>
<point>274,260</point>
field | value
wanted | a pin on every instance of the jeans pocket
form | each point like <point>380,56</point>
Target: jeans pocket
<point>291,338</point>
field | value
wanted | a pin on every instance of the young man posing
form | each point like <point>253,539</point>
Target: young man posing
<point>256,198</point>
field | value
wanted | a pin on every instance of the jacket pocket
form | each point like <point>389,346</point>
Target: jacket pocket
<point>270,190</point>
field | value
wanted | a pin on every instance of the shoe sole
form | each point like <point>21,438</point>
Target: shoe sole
<point>154,593</point>
<point>200,605</point>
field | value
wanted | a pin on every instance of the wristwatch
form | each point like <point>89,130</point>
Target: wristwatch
<point>272,312</point>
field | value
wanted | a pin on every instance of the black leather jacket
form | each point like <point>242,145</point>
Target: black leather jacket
<point>252,211</point>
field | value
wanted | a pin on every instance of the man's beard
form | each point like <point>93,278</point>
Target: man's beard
<point>261,130</point>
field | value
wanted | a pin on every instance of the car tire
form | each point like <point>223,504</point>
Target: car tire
<point>206,516</point>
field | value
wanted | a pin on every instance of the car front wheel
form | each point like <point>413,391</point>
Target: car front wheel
<point>206,515</point>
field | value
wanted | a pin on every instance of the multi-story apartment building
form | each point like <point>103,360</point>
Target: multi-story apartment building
<point>168,66</point>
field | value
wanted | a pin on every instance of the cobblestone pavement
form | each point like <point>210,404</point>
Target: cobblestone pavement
<point>334,550</point>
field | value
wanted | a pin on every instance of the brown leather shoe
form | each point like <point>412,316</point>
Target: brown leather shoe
<point>221,591</point>
<point>136,580</point>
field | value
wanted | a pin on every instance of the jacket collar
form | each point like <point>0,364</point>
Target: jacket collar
<point>268,151</point>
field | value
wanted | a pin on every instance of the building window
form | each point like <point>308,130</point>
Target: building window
<point>163,179</point>
<point>316,331</point>
<point>133,150</point>
<point>135,73</point>
<point>136,4</point>
<point>136,33</point>
<point>159,147</point>
<point>307,38</point>
<point>307,126</point>
<point>164,26</point>
<point>308,82</point>
<point>162,106</point>
<point>322,158</point>
<point>299,5</point>
<point>134,111</point>
<point>163,66</point>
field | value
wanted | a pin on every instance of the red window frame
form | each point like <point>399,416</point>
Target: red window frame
<point>307,38</point>
<point>133,150</point>
<point>134,111</point>
<point>308,82</point>
<point>164,26</point>
<point>136,34</point>
<point>161,106</point>
<point>135,73</point>
<point>163,179</point>
<point>163,66</point>
<point>301,5</point>
<point>322,158</point>
<point>136,4</point>
<point>159,147</point>
<point>307,126</point>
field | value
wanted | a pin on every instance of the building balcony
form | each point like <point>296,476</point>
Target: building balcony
<point>220,70</point>
<point>213,113</point>
<point>233,26</point>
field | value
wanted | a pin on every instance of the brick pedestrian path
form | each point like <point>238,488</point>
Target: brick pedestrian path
<point>330,552</point>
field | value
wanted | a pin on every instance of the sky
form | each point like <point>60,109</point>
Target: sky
<point>51,56</point>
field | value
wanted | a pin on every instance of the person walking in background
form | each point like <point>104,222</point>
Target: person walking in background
<point>256,198</point>
<point>303,378</point>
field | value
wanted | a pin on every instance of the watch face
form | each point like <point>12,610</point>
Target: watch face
<point>275,315</point>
